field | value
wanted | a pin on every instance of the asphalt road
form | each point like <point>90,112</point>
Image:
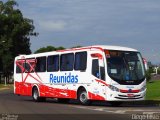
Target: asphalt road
<point>22,107</point>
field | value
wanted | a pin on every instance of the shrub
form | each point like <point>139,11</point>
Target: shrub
<point>148,75</point>
<point>158,70</point>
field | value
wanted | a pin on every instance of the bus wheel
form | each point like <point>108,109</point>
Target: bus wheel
<point>83,98</point>
<point>115,103</point>
<point>35,95</point>
<point>63,100</point>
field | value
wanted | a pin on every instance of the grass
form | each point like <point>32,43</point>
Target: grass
<point>153,90</point>
<point>7,86</point>
<point>1,85</point>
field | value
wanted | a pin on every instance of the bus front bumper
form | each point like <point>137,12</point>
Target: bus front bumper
<point>118,96</point>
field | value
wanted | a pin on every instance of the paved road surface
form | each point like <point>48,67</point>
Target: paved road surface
<point>13,106</point>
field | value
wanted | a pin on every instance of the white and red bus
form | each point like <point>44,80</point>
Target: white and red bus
<point>104,73</point>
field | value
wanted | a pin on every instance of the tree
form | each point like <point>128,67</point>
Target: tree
<point>148,75</point>
<point>48,49</point>
<point>78,46</point>
<point>45,49</point>
<point>15,32</point>
<point>60,48</point>
<point>159,70</point>
<point>52,48</point>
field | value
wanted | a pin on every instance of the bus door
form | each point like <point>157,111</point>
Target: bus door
<point>98,70</point>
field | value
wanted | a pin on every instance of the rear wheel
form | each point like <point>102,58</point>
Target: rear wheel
<point>83,97</point>
<point>36,97</point>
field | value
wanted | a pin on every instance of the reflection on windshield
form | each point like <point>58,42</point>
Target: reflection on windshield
<point>123,65</point>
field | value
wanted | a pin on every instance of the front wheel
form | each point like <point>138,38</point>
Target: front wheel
<point>83,98</point>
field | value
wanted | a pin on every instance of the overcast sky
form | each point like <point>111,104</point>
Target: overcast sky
<point>131,23</point>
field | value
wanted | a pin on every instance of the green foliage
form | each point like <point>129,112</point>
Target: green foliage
<point>151,70</point>
<point>158,70</point>
<point>52,48</point>
<point>78,46</point>
<point>60,48</point>
<point>15,32</point>
<point>148,75</point>
<point>48,49</point>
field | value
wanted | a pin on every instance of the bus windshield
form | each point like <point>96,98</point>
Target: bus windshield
<point>125,65</point>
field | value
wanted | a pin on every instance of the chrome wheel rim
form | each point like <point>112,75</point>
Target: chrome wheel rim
<point>35,95</point>
<point>83,97</point>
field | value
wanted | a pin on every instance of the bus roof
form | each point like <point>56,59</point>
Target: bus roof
<point>100,47</point>
<point>111,47</point>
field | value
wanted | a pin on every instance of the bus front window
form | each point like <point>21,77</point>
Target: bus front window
<point>125,65</point>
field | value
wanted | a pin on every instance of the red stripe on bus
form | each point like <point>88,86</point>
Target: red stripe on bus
<point>45,91</point>
<point>95,96</point>
<point>101,81</point>
<point>129,91</point>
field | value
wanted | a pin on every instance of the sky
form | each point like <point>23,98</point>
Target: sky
<point>68,23</point>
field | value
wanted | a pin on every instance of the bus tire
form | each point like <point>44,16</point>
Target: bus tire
<point>83,97</point>
<point>35,96</point>
<point>63,100</point>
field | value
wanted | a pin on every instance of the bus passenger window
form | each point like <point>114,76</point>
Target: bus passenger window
<point>95,68</point>
<point>67,62</point>
<point>41,64</point>
<point>53,63</point>
<point>29,66</point>
<point>80,61</point>
<point>18,69</point>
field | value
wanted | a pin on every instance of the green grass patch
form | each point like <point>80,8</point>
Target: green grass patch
<point>10,86</point>
<point>153,90</point>
<point>1,85</point>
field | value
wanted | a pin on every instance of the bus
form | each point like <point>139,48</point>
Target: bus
<point>94,73</point>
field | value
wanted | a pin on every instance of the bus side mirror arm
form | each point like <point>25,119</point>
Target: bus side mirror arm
<point>101,69</point>
<point>101,63</point>
<point>102,73</point>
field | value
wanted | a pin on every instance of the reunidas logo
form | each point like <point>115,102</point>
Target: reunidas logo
<point>66,78</point>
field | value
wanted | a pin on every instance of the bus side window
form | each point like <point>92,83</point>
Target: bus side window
<point>41,64</point>
<point>67,62</point>
<point>18,69</point>
<point>53,63</point>
<point>28,66</point>
<point>95,68</point>
<point>80,61</point>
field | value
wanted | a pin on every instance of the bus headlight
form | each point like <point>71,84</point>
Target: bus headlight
<point>113,88</point>
<point>143,88</point>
